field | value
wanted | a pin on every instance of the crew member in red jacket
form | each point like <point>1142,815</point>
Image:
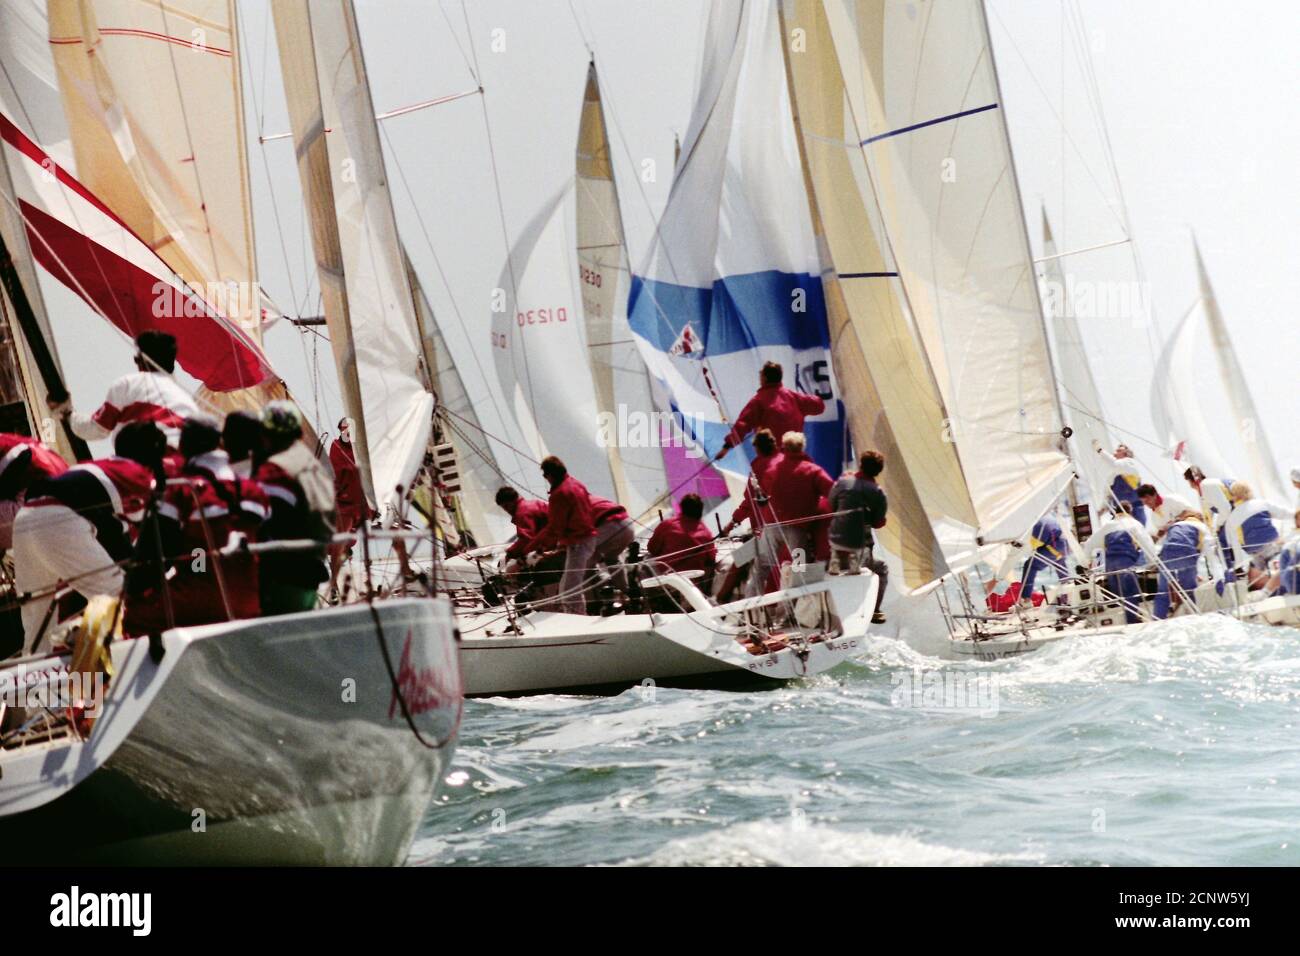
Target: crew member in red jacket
<point>570,528</point>
<point>797,489</point>
<point>528,515</point>
<point>614,529</point>
<point>351,509</point>
<point>774,407</point>
<point>77,526</point>
<point>23,461</point>
<point>684,543</point>
<point>203,515</point>
<point>755,506</point>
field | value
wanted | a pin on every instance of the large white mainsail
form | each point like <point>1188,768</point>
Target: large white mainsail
<point>1080,398</point>
<point>622,384</point>
<point>1178,394</point>
<point>368,301</point>
<point>540,350</point>
<point>923,88</point>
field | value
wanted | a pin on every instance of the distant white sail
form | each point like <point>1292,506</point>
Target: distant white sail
<point>479,471</point>
<point>541,352</point>
<point>368,301</point>
<point>1179,391</point>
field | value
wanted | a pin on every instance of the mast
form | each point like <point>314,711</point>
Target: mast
<point>43,358</point>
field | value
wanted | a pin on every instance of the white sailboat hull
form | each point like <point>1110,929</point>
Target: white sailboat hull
<point>555,652</point>
<point>270,741</point>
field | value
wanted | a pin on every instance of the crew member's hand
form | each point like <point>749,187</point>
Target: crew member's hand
<point>1096,446</point>
<point>532,558</point>
<point>722,452</point>
<point>727,529</point>
<point>62,409</point>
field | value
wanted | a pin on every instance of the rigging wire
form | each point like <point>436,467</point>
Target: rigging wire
<point>500,202</point>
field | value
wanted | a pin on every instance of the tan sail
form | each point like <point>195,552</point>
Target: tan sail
<point>618,373</point>
<point>153,100</point>
<point>893,402</point>
<point>923,91</point>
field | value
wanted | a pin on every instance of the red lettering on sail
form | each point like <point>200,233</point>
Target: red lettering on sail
<point>421,688</point>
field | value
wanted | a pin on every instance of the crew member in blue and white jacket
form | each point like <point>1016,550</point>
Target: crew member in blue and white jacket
<point>1186,541</point>
<point>1124,478</point>
<point>1124,545</point>
<point>1053,547</point>
<point>1287,580</point>
<point>1253,539</point>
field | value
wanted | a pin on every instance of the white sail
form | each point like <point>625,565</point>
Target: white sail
<point>1080,398</point>
<point>540,350</point>
<point>368,302</point>
<point>733,278</point>
<point>622,384</point>
<point>923,89</point>
<point>1179,394</point>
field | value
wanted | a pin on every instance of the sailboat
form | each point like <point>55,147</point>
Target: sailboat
<point>688,640</point>
<point>317,737</point>
<point>1177,399</point>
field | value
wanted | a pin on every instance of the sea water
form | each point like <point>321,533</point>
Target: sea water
<point>1179,745</point>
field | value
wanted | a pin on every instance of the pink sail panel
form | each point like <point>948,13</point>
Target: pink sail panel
<point>687,471</point>
<point>79,241</point>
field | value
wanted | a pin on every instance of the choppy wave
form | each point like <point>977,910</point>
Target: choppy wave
<point>1177,745</point>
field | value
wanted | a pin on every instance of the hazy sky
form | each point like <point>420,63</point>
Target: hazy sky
<point>1198,97</point>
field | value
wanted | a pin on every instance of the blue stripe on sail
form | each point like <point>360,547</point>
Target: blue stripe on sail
<point>933,122</point>
<point>737,314</point>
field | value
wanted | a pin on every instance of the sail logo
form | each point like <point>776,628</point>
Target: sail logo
<point>687,344</point>
<point>419,688</point>
<point>76,909</point>
<point>544,316</point>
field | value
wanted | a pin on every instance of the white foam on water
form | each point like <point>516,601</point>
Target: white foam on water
<point>795,842</point>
